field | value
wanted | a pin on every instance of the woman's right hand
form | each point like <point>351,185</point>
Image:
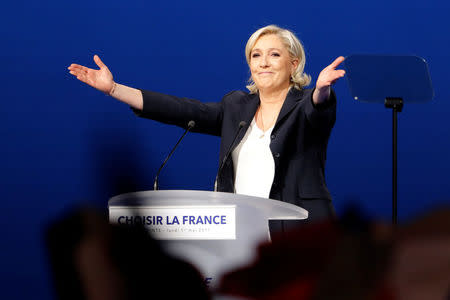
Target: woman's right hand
<point>101,79</point>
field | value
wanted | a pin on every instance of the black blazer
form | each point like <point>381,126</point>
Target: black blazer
<point>299,138</point>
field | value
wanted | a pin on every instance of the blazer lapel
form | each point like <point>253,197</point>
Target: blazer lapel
<point>251,104</point>
<point>246,114</point>
<point>291,100</point>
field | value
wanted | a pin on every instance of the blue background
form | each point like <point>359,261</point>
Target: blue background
<point>64,143</point>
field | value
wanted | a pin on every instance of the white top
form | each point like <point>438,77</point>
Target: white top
<point>254,168</point>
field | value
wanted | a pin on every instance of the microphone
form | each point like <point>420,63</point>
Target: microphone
<point>191,125</point>
<point>241,125</point>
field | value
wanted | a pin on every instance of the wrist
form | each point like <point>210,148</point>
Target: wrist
<point>113,89</point>
<point>323,89</point>
<point>321,94</point>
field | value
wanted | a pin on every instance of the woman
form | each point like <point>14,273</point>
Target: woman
<point>281,151</point>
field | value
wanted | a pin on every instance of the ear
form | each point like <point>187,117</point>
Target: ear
<point>294,64</point>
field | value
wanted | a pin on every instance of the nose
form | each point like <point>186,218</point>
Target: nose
<point>264,62</point>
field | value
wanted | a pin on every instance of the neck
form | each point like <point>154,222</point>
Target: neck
<point>270,106</point>
<point>273,97</point>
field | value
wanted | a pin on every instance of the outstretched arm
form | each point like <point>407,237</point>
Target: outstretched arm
<point>326,78</point>
<point>102,80</point>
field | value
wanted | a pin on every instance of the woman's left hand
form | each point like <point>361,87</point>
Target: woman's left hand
<point>326,78</point>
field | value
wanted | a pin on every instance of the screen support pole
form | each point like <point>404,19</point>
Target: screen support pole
<point>396,104</point>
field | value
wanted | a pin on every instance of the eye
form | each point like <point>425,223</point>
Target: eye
<point>276,54</point>
<point>255,54</point>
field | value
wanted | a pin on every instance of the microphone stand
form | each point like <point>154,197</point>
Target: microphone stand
<point>191,125</point>
<point>241,125</point>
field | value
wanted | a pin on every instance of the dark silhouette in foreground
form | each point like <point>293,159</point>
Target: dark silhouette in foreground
<point>92,259</point>
<point>351,259</point>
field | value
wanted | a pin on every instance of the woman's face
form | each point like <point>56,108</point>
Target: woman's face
<point>270,64</point>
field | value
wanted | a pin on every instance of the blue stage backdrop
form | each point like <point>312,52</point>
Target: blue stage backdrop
<point>64,143</point>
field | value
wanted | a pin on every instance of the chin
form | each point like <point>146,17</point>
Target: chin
<point>265,86</point>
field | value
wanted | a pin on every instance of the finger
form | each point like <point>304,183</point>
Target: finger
<point>75,67</point>
<point>76,73</point>
<point>337,62</point>
<point>79,76</point>
<point>338,74</point>
<point>99,62</point>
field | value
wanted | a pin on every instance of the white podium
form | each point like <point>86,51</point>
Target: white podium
<point>216,232</point>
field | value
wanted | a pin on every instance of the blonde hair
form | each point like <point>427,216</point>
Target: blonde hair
<point>292,44</point>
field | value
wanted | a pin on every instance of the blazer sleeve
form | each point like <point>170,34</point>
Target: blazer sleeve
<point>179,111</point>
<point>321,116</point>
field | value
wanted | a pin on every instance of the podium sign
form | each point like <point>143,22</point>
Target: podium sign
<point>181,222</point>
